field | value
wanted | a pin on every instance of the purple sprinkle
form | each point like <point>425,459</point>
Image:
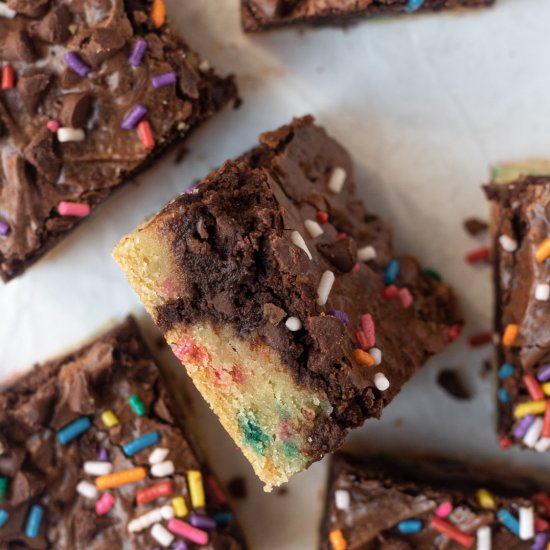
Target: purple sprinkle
<point>103,454</point>
<point>544,373</point>
<point>4,228</point>
<point>524,424</point>
<point>342,315</point>
<point>132,118</point>
<point>76,64</point>
<point>163,79</point>
<point>137,53</point>
<point>202,522</point>
<point>180,545</point>
<point>191,188</point>
<point>540,541</point>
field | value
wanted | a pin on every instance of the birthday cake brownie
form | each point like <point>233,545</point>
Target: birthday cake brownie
<point>90,93</point>
<point>259,15</point>
<point>91,458</point>
<point>285,300</point>
<point>521,258</point>
<point>425,505</point>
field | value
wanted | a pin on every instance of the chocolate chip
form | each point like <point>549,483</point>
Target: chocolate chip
<point>273,314</point>
<point>17,46</point>
<point>236,488</point>
<point>40,153</point>
<point>30,8</point>
<point>453,384</point>
<point>475,226</point>
<point>342,254</point>
<point>32,88</point>
<point>75,110</point>
<point>54,27</point>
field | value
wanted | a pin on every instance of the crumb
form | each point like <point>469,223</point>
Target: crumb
<point>398,422</point>
<point>475,226</point>
<point>486,368</point>
<point>160,342</point>
<point>452,383</point>
<point>236,487</point>
<point>180,154</point>
<point>281,491</point>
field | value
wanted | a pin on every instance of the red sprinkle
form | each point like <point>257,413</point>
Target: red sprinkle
<point>546,423</point>
<point>482,339</point>
<point>8,77</point>
<point>479,255</point>
<point>146,134</point>
<point>544,500</point>
<point>162,489</point>
<point>322,216</point>
<point>216,491</point>
<point>454,332</point>
<point>454,533</point>
<point>540,524</point>
<point>356,268</point>
<point>504,442</point>
<point>362,341</point>
<point>389,292</point>
<point>53,126</point>
<point>533,387</point>
<point>341,236</point>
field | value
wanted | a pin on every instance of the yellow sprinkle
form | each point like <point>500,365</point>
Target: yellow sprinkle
<point>337,540</point>
<point>196,489</point>
<point>109,419</point>
<point>546,388</point>
<point>543,251</point>
<point>529,407</point>
<point>363,358</point>
<point>510,334</point>
<point>158,13</point>
<point>485,499</point>
<point>180,508</point>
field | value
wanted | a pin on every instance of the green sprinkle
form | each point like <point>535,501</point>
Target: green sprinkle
<point>137,405</point>
<point>430,272</point>
<point>3,487</point>
<point>253,436</point>
<point>291,450</point>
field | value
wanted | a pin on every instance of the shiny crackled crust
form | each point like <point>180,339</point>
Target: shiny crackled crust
<point>36,170</point>
<point>100,376</point>
<point>259,15</point>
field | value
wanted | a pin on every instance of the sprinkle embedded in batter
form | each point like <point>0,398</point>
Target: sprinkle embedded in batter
<point>298,240</point>
<point>313,228</point>
<point>381,382</point>
<point>74,61</point>
<point>337,180</point>
<point>542,292</point>
<point>293,324</point>
<point>507,243</point>
<point>66,135</point>
<point>325,286</point>
<point>366,253</point>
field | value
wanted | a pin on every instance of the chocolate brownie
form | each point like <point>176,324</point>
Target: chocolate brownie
<point>260,15</point>
<point>285,300</point>
<point>385,504</point>
<point>91,458</point>
<point>91,92</point>
<point>520,227</point>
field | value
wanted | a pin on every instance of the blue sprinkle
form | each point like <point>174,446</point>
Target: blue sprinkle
<point>4,516</point>
<point>509,521</point>
<point>505,371</point>
<point>413,5</point>
<point>392,269</point>
<point>151,438</point>
<point>73,430</point>
<point>409,526</point>
<point>223,518</point>
<point>503,395</point>
<point>34,521</point>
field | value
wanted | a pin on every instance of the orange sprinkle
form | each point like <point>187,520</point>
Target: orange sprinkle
<point>120,478</point>
<point>543,251</point>
<point>158,13</point>
<point>510,334</point>
<point>363,358</point>
<point>8,77</point>
<point>337,540</point>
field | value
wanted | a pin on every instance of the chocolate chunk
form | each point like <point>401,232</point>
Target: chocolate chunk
<point>40,153</point>
<point>451,381</point>
<point>236,487</point>
<point>24,486</point>
<point>17,46</point>
<point>54,28</point>
<point>75,110</point>
<point>188,81</point>
<point>475,226</point>
<point>274,314</point>
<point>32,88</point>
<point>30,8</point>
<point>342,254</point>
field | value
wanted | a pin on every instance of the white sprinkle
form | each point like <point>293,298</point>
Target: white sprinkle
<point>507,243</point>
<point>298,240</point>
<point>162,469</point>
<point>158,455</point>
<point>162,535</point>
<point>484,538</point>
<point>6,12</point>
<point>70,134</point>
<point>146,520</point>
<point>2,450</point>
<point>542,445</point>
<point>293,324</point>
<point>533,433</point>
<point>381,382</point>
<point>97,468</point>
<point>135,526</point>
<point>526,523</point>
<point>313,228</point>
<point>167,512</point>
<point>366,254</point>
<point>337,180</point>
<point>542,292</point>
<point>86,489</point>
<point>376,354</point>
<point>324,288</point>
<point>341,500</point>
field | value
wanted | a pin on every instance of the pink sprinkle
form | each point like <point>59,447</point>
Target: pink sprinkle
<point>169,288</point>
<point>78,209</point>
<point>53,126</point>
<point>444,509</point>
<point>362,340</point>
<point>356,268</point>
<point>406,297</point>
<point>368,328</point>
<point>188,531</point>
<point>104,504</point>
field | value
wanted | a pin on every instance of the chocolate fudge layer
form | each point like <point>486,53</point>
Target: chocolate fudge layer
<point>521,231</point>
<point>382,504</point>
<point>91,458</point>
<point>260,15</point>
<point>285,299</point>
<point>91,92</point>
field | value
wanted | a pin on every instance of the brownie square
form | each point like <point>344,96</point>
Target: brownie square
<point>91,93</point>
<point>417,503</point>
<point>92,458</point>
<point>285,300</point>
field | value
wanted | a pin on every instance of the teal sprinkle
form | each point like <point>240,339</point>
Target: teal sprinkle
<point>413,5</point>
<point>253,436</point>
<point>505,371</point>
<point>433,274</point>
<point>3,487</point>
<point>503,395</point>
<point>223,518</point>
<point>291,450</point>
<point>137,405</point>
